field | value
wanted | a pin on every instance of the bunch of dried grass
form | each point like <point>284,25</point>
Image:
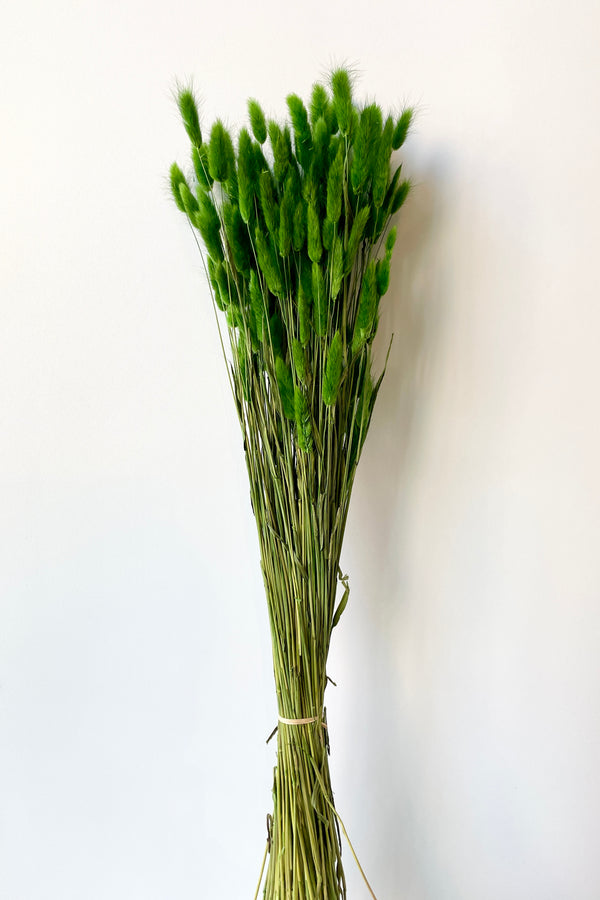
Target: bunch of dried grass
<point>297,252</point>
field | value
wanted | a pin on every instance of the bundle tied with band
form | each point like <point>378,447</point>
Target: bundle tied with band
<point>293,220</point>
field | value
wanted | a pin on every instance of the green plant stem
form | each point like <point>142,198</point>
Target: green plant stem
<point>305,855</point>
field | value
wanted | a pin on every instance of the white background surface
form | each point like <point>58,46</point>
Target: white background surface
<point>135,680</point>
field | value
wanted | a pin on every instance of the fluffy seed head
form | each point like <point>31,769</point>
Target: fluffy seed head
<point>304,314</point>
<point>303,423</point>
<point>200,162</point>
<point>381,168</point>
<point>367,309</point>
<point>382,274</point>
<point>319,103</point>
<point>320,311</point>
<point>221,155</point>
<point>342,99</point>
<point>189,114</point>
<point>189,201</point>
<point>333,370</point>
<point>177,178</point>
<point>302,133</point>
<point>208,223</point>
<point>402,126</point>
<point>299,357</point>
<point>257,121</point>
<point>286,388</point>
<point>247,176</point>
<point>335,184</point>
<point>366,146</point>
<point>400,196</point>
<point>391,240</point>
<point>315,247</point>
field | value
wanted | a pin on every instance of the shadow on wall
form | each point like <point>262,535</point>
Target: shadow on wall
<point>381,749</point>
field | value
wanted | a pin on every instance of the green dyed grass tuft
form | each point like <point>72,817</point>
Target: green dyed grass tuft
<point>221,156</point>
<point>258,122</point>
<point>400,196</point>
<point>367,308</point>
<point>302,132</point>
<point>333,370</point>
<point>303,423</point>
<point>319,104</point>
<point>286,388</point>
<point>402,128</point>
<point>177,179</point>
<point>368,143</point>
<point>341,86</point>
<point>189,115</point>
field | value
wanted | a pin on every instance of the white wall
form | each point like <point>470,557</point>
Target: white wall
<point>135,682</point>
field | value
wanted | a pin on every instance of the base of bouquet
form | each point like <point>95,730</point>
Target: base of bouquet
<point>305,854</point>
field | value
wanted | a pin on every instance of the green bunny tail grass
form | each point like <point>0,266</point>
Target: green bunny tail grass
<point>320,157</point>
<point>333,370</point>
<point>364,409</point>
<point>304,315</point>
<point>328,234</point>
<point>331,119</point>
<point>337,268</point>
<point>335,142</point>
<point>260,161</point>
<point>381,168</point>
<point>286,388</point>
<point>335,186</point>
<point>341,87</point>
<point>293,181</point>
<point>209,225</point>
<point>267,260</point>
<point>319,104</point>
<point>402,127</point>
<point>315,247</point>
<point>237,237</point>
<point>382,275</point>
<point>243,365</point>
<point>268,202</point>
<point>320,312</point>
<point>189,114</point>
<point>190,203</point>
<point>177,179</point>
<point>286,222</point>
<point>200,163</point>
<point>302,132</point>
<point>299,357</point>
<point>214,277</point>
<point>390,241</point>
<point>299,225</point>
<point>281,146</point>
<point>247,175</point>
<point>225,285</point>
<point>275,335</point>
<point>356,234</point>
<point>366,146</point>
<point>391,190</point>
<point>400,196</point>
<point>303,423</point>
<point>257,302</point>
<point>306,275</point>
<point>221,155</point>
<point>258,123</point>
<point>367,309</point>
